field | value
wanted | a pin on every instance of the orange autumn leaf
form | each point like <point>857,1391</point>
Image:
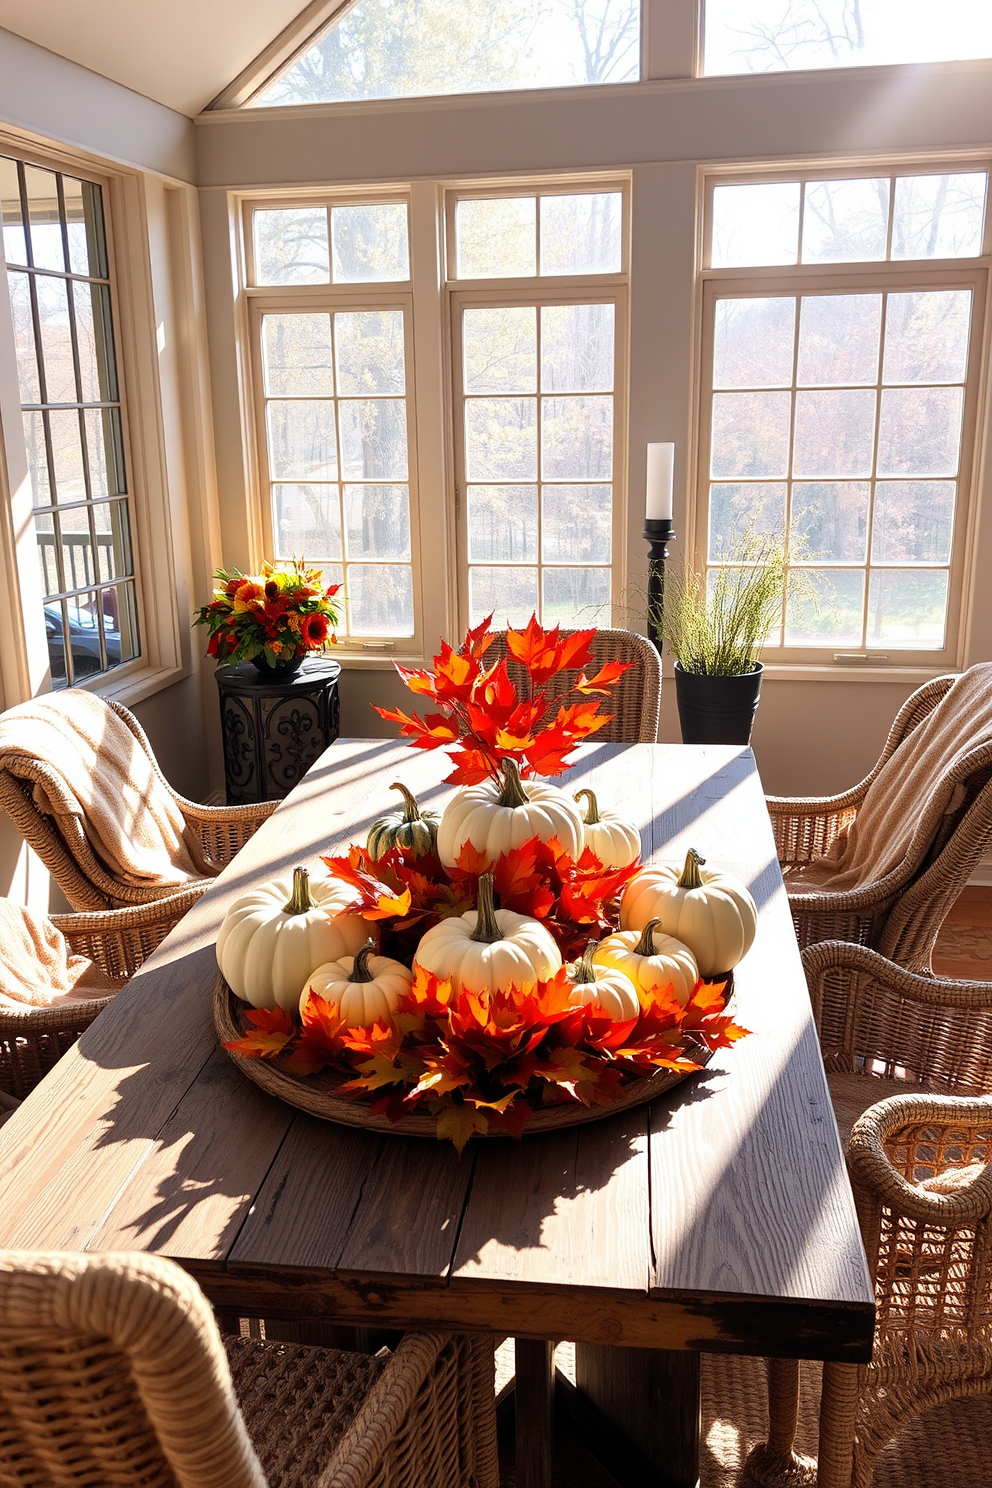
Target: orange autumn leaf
<point>273,1031</point>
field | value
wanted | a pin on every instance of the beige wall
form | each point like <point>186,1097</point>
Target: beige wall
<point>816,732</point>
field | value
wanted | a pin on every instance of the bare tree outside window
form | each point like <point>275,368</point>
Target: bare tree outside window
<point>419,48</point>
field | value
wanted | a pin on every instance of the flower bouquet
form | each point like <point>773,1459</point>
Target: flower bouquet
<point>273,618</point>
<point>505,967</point>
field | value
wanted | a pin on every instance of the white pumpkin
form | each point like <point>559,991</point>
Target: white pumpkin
<point>274,936</point>
<point>489,949</point>
<point>711,911</point>
<point>365,988</point>
<point>610,993</point>
<point>498,817</point>
<point>615,840</point>
<point>651,960</point>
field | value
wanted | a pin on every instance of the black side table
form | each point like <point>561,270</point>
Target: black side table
<point>274,730</point>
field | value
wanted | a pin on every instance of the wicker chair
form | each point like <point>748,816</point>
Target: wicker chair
<point>79,873</point>
<point>112,1372</point>
<point>33,1039</point>
<point>635,702</point>
<point>920,1167</point>
<point>900,914</point>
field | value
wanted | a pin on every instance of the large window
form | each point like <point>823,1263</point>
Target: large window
<point>335,415</point>
<point>59,281</point>
<point>839,398</point>
<point>415,48</point>
<point>780,35</point>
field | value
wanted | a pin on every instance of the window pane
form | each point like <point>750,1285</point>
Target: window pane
<point>939,216</point>
<point>830,522</point>
<point>755,224</point>
<point>577,439</point>
<point>830,613</point>
<point>838,339</point>
<point>736,510</point>
<point>769,36</point>
<point>845,221</point>
<point>501,439</point>
<point>56,340</point>
<point>380,599</point>
<point>913,522</point>
<point>926,336</point>
<point>577,348</point>
<point>920,431</point>
<point>306,519</point>
<point>754,343</point>
<point>373,439</point>
<point>500,350</point>
<point>576,596</point>
<point>302,443</point>
<point>291,246</point>
<point>750,434</point>
<point>377,521</point>
<point>510,594</point>
<point>105,450</point>
<point>577,524</point>
<point>56,627</point>
<point>381,49</point>
<point>95,336</point>
<point>370,243</point>
<point>78,556</point>
<point>496,238</point>
<point>43,214</point>
<point>44,527</point>
<point>370,351</point>
<point>581,234</point>
<point>834,432</point>
<point>120,624</point>
<point>85,636</point>
<point>296,355</point>
<point>67,454</point>
<point>14,238</point>
<point>84,225</point>
<point>502,524</point>
<point>34,441</point>
<point>907,609</point>
<point>24,345</point>
<point>113,540</point>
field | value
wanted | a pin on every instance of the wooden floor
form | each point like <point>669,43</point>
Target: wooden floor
<point>964,946</point>
<point>964,949</point>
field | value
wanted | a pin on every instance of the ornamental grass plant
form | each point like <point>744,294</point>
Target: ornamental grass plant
<point>718,629</point>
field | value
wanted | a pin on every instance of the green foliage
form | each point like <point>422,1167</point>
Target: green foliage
<point>720,629</point>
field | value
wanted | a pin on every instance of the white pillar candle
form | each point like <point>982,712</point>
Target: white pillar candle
<point>661,463</point>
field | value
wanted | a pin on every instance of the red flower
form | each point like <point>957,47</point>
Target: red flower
<point>271,589</point>
<point>313,629</point>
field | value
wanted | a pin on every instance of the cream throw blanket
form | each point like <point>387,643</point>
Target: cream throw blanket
<point>36,968</point>
<point>926,774</point>
<point>130,819</point>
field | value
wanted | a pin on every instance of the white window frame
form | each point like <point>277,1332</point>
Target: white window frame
<point>24,666</point>
<point>867,277</point>
<point>538,290</point>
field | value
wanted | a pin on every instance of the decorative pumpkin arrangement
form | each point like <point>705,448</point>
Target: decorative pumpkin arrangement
<point>470,1012</point>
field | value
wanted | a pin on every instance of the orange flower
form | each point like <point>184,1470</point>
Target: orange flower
<point>250,596</point>
<point>313,629</point>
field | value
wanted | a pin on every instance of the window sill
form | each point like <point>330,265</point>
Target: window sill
<point>914,675</point>
<point>138,685</point>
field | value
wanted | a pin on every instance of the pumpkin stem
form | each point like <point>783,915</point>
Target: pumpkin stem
<point>690,877</point>
<point>592,810</point>
<point>583,970</point>
<point>511,791</point>
<point>411,811</point>
<point>299,900</point>
<point>361,971</point>
<point>645,946</point>
<point>486,924</point>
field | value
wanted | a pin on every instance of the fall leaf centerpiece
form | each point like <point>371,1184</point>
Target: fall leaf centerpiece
<point>505,996</point>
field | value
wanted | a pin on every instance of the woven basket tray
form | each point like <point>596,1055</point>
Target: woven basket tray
<point>317,1094</point>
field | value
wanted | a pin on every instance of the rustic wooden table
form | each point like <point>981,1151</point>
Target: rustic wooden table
<point>718,1218</point>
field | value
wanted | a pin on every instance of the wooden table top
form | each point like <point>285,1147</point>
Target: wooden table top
<point>719,1217</point>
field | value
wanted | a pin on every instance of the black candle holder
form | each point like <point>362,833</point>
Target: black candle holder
<point>658,533</point>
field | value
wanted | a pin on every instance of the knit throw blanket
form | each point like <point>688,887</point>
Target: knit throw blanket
<point>914,799</point>
<point>36,968</point>
<point>105,780</point>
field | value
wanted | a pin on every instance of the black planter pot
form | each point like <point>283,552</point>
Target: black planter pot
<point>717,710</point>
<point>277,673</point>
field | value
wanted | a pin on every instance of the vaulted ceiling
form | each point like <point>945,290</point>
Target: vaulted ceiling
<point>179,52</point>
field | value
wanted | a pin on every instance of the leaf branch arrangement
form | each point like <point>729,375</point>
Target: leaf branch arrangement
<point>497,980</point>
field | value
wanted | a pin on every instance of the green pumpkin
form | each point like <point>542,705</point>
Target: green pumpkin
<point>410,828</point>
